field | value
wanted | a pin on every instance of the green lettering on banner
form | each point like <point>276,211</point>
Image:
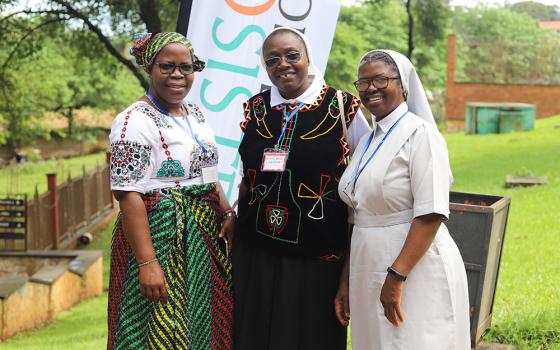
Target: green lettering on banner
<point>220,106</point>
<point>252,72</point>
<point>224,177</point>
<point>234,44</point>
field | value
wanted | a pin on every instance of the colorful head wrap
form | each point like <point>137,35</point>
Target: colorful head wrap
<point>146,46</point>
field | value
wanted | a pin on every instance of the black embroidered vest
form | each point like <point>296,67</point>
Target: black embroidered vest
<point>297,211</point>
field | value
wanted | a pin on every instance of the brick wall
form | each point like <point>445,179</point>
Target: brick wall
<point>545,97</point>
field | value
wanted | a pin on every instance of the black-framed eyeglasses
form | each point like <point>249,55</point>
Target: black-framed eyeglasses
<point>169,68</point>
<point>379,82</point>
<point>291,57</point>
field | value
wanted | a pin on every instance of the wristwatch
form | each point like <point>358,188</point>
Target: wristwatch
<point>395,274</point>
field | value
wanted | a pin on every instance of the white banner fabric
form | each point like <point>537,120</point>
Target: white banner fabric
<point>228,35</point>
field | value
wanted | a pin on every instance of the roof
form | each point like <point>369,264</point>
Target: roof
<point>554,25</point>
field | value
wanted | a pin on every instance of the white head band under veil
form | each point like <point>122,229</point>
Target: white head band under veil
<point>416,96</point>
<point>312,70</point>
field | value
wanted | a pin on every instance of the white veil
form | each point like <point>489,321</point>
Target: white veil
<point>416,100</point>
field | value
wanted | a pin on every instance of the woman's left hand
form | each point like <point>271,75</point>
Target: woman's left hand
<point>391,294</point>
<point>227,232</point>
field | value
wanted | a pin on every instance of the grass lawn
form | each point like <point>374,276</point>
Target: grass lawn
<point>527,307</point>
<point>22,178</point>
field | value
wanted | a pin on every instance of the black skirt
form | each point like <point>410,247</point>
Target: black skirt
<point>284,302</point>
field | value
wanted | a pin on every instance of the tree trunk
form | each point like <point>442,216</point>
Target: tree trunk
<point>410,29</point>
<point>149,13</point>
<point>70,117</point>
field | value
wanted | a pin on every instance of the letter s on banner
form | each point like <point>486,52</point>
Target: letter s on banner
<point>250,10</point>
<point>238,39</point>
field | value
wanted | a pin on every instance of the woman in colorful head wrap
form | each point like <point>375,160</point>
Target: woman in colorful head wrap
<point>293,229</point>
<point>406,280</point>
<point>170,281</point>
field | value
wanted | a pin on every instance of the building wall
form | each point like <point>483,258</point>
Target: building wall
<point>545,97</point>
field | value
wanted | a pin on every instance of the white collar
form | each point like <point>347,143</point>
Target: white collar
<point>308,97</point>
<point>386,123</point>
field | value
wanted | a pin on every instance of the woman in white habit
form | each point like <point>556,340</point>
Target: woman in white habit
<point>405,279</point>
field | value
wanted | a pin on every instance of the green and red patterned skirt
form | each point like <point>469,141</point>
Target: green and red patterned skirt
<point>184,225</point>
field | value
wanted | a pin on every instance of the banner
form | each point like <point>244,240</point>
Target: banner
<point>228,35</point>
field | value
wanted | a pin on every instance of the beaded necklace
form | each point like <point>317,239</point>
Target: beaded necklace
<point>175,166</point>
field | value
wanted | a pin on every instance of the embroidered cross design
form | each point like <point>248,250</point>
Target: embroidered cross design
<point>304,191</point>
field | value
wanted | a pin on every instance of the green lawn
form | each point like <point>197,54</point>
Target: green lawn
<point>22,178</point>
<point>527,307</point>
<point>82,328</point>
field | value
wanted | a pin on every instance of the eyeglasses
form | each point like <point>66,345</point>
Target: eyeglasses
<point>379,82</point>
<point>169,68</point>
<point>291,57</point>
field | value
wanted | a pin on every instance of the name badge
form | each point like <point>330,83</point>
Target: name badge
<point>210,174</point>
<point>274,160</point>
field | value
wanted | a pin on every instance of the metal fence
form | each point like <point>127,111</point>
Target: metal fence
<point>55,215</point>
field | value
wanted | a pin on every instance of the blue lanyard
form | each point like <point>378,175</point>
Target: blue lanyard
<point>287,119</point>
<point>189,131</point>
<point>357,171</point>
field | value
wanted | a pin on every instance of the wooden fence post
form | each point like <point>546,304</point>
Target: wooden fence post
<point>108,160</point>
<point>51,182</point>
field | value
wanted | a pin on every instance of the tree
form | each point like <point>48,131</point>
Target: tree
<point>46,74</point>
<point>62,55</point>
<point>119,17</point>
<point>536,10</point>
<point>17,94</point>
<point>359,30</point>
<point>383,24</point>
<point>501,46</point>
<point>427,19</point>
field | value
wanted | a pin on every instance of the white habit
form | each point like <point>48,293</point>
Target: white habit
<point>408,177</point>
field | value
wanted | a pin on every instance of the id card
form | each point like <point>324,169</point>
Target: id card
<point>274,160</point>
<point>210,174</point>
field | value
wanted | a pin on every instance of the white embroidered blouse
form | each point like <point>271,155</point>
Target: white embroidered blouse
<point>151,151</point>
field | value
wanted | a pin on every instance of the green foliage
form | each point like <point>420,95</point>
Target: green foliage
<point>536,10</point>
<point>433,19</point>
<point>64,55</point>
<point>501,46</point>
<point>136,15</point>
<point>61,70</point>
<point>361,29</point>
<point>82,328</point>
<point>18,90</point>
<point>383,24</point>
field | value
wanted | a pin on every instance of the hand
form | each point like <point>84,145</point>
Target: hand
<point>152,282</point>
<point>342,303</point>
<point>391,294</point>
<point>227,232</point>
